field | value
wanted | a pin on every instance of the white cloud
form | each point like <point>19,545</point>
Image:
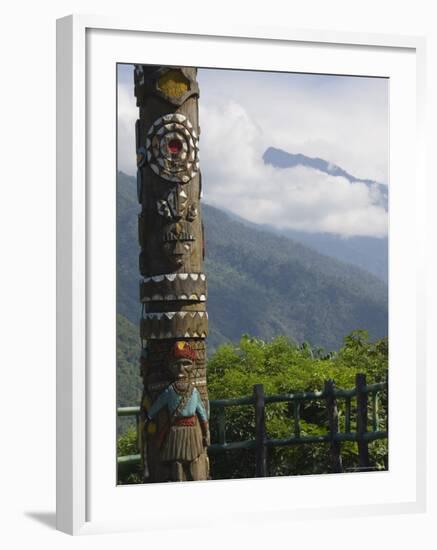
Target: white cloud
<point>127,115</point>
<point>343,120</point>
<point>236,178</point>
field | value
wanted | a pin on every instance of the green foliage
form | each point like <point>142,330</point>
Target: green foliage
<point>127,445</point>
<point>283,366</point>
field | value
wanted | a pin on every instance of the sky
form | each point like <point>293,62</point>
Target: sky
<point>341,119</point>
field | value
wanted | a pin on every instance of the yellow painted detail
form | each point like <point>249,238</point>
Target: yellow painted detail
<point>151,428</point>
<point>173,83</point>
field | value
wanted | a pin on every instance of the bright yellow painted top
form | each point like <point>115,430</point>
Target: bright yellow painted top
<point>173,83</point>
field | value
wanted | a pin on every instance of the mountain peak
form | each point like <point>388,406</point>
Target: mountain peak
<point>278,158</point>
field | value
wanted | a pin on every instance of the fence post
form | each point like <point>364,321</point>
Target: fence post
<point>335,447</point>
<point>363,446</point>
<point>260,431</point>
<point>222,426</point>
<point>296,415</point>
<point>347,415</point>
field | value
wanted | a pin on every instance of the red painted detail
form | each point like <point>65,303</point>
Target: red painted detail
<point>174,146</point>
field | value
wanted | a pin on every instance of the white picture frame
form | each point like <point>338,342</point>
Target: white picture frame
<point>87,498</point>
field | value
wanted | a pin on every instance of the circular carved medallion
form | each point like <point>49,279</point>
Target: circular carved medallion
<point>172,148</point>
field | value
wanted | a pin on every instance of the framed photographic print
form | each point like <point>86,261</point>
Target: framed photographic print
<point>238,314</point>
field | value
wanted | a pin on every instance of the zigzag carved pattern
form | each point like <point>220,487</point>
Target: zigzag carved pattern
<point>174,324</point>
<point>174,286</point>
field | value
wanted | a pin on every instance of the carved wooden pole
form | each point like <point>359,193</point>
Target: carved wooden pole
<point>173,288</point>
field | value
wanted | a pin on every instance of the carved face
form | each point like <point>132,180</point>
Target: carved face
<point>175,206</point>
<point>177,243</point>
<point>181,368</point>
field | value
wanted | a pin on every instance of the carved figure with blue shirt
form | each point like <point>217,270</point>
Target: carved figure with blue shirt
<point>184,439</point>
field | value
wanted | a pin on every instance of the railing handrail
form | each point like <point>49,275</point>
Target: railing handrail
<point>275,398</point>
<point>128,411</point>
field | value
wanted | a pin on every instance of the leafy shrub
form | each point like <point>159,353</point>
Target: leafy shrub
<point>283,366</point>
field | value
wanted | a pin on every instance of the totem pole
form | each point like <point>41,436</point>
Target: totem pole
<point>174,324</point>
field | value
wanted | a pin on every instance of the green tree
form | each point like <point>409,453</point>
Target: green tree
<point>283,366</point>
